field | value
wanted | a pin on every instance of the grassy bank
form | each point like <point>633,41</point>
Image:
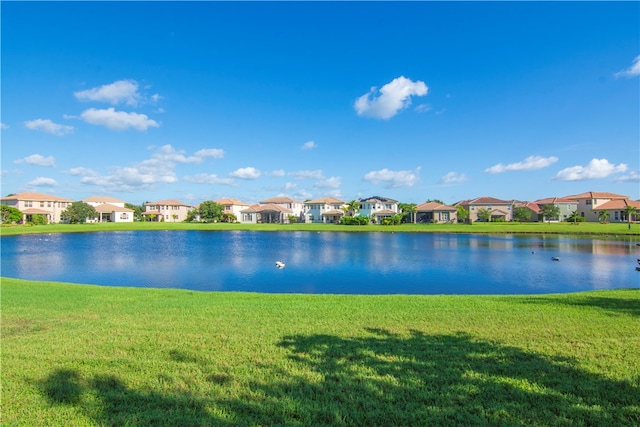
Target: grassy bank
<point>591,229</point>
<point>86,355</point>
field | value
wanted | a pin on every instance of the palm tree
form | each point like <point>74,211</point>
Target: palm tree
<point>353,206</point>
<point>603,216</point>
<point>410,209</point>
<point>628,211</point>
<point>574,216</point>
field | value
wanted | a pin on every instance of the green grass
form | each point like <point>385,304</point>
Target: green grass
<point>88,355</point>
<point>611,229</point>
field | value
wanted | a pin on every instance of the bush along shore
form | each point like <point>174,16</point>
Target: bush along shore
<point>88,355</point>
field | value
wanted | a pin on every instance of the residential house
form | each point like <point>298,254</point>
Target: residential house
<point>30,204</point>
<point>500,210</point>
<point>378,208</point>
<point>110,209</point>
<point>325,210</point>
<point>532,207</point>
<point>232,207</point>
<point>265,214</point>
<point>437,213</point>
<point>589,202</point>
<point>617,210</point>
<point>295,206</point>
<point>167,210</point>
<point>565,206</point>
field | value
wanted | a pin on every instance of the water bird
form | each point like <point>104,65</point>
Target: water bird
<point>555,258</point>
<point>279,264</point>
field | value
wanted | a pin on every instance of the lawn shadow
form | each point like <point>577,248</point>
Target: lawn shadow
<point>613,305</point>
<point>381,378</point>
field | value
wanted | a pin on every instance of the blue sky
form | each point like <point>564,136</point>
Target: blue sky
<point>197,101</point>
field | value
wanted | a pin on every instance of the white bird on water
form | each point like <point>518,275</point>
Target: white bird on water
<point>279,264</point>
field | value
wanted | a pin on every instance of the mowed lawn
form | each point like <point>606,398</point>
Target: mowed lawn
<point>87,355</point>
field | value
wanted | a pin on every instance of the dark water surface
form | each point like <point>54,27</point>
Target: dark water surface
<point>327,262</point>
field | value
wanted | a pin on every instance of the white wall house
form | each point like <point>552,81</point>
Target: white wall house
<point>167,210</point>
<point>110,209</point>
<point>265,214</point>
<point>501,210</point>
<point>325,210</point>
<point>377,208</point>
<point>295,206</point>
<point>30,204</point>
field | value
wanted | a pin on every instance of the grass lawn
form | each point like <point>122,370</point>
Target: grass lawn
<point>87,355</point>
<point>586,228</point>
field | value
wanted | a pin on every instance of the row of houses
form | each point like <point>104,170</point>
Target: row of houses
<point>589,205</point>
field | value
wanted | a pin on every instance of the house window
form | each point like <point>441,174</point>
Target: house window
<point>28,204</point>
<point>49,204</point>
<point>42,204</point>
<point>444,216</point>
<point>588,202</point>
<point>124,216</point>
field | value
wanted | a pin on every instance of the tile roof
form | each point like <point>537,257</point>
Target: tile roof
<point>325,200</point>
<point>231,202</point>
<point>108,208</point>
<point>596,195</point>
<point>167,203</point>
<point>30,196</point>
<point>279,200</point>
<point>101,199</point>
<point>435,206</point>
<point>271,207</point>
<point>618,204</point>
<point>379,199</point>
<point>333,212</point>
<point>554,200</point>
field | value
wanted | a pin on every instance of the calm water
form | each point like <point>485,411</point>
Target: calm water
<point>352,263</point>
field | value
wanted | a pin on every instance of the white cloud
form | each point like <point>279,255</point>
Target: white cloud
<point>38,160</point>
<point>114,93</point>
<point>333,182</point>
<point>246,173</point>
<point>597,168</point>
<point>205,178</point>
<point>46,125</point>
<point>391,98</point>
<point>309,145</point>
<point>393,178</point>
<point>81,171</point>
<point>118,120</point>
<point>316,174</point>
<point>290,186</point>
<point>632,71</point>
<point>633,176</point>
<point>168,153</point>
<point>213,153</point>
<point>453,178</point>
<point>43,182</point>
<point>4,126</point>
<point>279,172</point>
<point>530,163</point>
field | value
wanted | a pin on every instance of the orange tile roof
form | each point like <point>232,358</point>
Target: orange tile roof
<point>596,195</point>
<point>30,196</point>
<point>618,204</point>
<point>326,200</point>
<point>167,203</point>
<point>279,200</point>
<point>101,199</point>
<point>434,206</point>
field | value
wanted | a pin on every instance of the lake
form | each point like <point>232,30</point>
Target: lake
<point>325,262</point>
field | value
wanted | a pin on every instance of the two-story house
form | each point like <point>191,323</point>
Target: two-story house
<point>167,210</point>
<point>565,206</point>
<point>270,213</point>
<point>110,209</point>
<point>377,208</point>
<point>233,207</point>
<point>589,202</point>
<point>325,210</point>
<point>499,210</point>
<point>30,204</point>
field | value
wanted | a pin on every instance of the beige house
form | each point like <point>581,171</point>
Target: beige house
<point>437,213</point>
<point>110,209</point>
<point>295,206</point>
<point>501,210</point>
<point>565,205</point>
<point>589,203</point>
<point>617,210</point>
<point>233,207</point>
<point>325,210</point>
<point>167,210</point>
<point>37,204</point>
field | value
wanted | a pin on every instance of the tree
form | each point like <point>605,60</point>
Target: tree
<point>603,216</point>
<point>463,214</point>
<point>210,211</point>
<point>574,216</point>
<point>522,214</point>
<point>10,214</point>
<point>409,209</point>
<point>484,214</point>
<point>550,212</point>
<point>354,207</point>
<point>174,216</point>
<point>629,211</point>
<point>78,213</point>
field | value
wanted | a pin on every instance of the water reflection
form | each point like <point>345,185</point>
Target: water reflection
<point>366,263</point>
